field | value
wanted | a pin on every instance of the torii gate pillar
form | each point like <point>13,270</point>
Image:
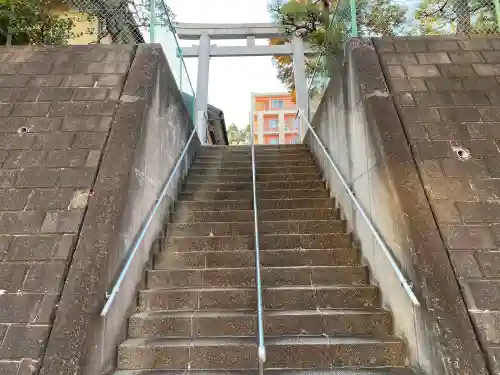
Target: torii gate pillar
<point>201,100</point>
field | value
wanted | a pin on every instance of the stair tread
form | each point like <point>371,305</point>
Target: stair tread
<point>264,288</point>
<point>250,341</point>
<point>333,371</point>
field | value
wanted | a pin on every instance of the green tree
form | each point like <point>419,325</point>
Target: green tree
<point>238,136</point>
<point>30,22</point>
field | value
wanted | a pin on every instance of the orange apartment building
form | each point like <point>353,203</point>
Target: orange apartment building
<point>273,116</point>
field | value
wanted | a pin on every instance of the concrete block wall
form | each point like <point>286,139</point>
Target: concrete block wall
<point>56,109</point>
<point>447,92</point>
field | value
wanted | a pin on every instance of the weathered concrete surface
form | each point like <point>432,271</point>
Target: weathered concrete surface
<point>447,93</point>
<point>56,108</point>
<point>148,133</point>
<point>358,122</point>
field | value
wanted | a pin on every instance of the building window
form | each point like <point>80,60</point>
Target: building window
<point>273,141</point>
<point>277,104</point>
<point>273,124</point>
<point>296,123</point>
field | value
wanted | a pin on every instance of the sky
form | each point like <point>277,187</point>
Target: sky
<point>232,79</point>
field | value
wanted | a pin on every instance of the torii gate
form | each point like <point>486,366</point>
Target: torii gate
<point>205,32</point>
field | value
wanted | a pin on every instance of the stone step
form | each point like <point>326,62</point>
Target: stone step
<point>248,228</point>
<point>259,178</point>
<point>330,371</point>
<point>245,277</point>
<point>240,186</point>
<point>186,215</point>
<point>287,297</point>
<point>263,204</point>
<point>248,171</point>
<point>241,353</point>
<point>267,242</point>
<point>246,258</point>
<point>247,162</point>
<point>248,195</point>
<point>244,323</point>
<point>247,157</point>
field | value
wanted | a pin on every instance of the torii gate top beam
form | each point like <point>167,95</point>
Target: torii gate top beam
<point>193,31</point>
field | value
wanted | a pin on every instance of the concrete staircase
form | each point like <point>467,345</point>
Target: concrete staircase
<point>198,311</point>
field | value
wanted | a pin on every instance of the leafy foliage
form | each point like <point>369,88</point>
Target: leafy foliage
<point>238,136</point>
<point>31,22</point>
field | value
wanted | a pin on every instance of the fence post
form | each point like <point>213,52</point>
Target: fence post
<point>152,21</point>
<point>497,11</point>
<point>354,19</point>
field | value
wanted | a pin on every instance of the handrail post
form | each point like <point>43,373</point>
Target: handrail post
<point>497,12</point>
<point>354,19</point>
<point>378,238</point>
<point>258,280</point>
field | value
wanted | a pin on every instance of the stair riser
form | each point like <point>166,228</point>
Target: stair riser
<point>245,277</point>
<point>247,158</point>
<point>248,171</point>
<point>267,242</point>
<point>242,186</point>
<point>246,163</point>
<point>248,195</point>
<point>278,356</point>
<point>247,228</point>
<point>279,176</point>
<point>233,299</point>
<point>294,258</point>
<point>186,207</point>
<point>246,325</point>
<point>187,216</point>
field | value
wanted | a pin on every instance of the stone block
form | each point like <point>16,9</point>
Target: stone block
<point>21,222</point>
<point>101,108</point>
<point>420,114</point>
<point>488,323</point>
<point>480,84</point>
<point>459,114</point>
<point>430,168</point>
<point>40,247</point>
<point>417,130</point>
<point>470,98</point>
<point>491,56</point>
<point>433,149</point>
<point>27,109</point>
<point>447,131</point>
<point>479,148</point>
<point>443,45</point>
<point>454,167</point>
<point>9,141</point>
<point>484,295</point>
<point>46,81</point>
<point>465,57</point>
<point>44,178</point>
<point>62,221</point>
<point>110,80</point>
<point>468,237</point>
<point>14,80</point>
<point>24,341</point>
<point>421,71</point>
<point>487,189</point>
<point>47,309</point>
<point>445,211</point>
<point>475,44</point>
<point>454,189</point>
<point>19,307</point>
<point>399,85</point>
<point>479,212</point>
<point>64,109</point>
<point>493,166</point>
<point>433,58</point>
<point>77,177</point>
<point>13,200</point>
<point>444,84</point>
<point>90,93</point>
<point>45,277</point>
<point>55,94</point>
<point>410,46</point>
<point>66,158</point>
<point>94,140</point>
<point>489,114</point>
<point>487,69</point>
<point>7,178</point>
<point>53,199</point>
<point>5,109</point>
<point>457,71</point>
<point>28,94</point>
<point>399,58</point>
<point>395,71</point>
<point>54,141</point>
<point>404,99</point>
<point>87,123</point>
<point>490,263</point>
<point>465,264</point>
<point>79,80</point>
<point>12,277</point>
<point>24,159</point>
<point>432,98</point>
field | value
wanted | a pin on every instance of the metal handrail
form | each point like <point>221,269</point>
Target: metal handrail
<point>137,242</point>
<point>387,252</point>
<point>258,281</point>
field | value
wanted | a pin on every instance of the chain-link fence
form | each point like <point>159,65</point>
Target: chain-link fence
<point>375,18</point>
